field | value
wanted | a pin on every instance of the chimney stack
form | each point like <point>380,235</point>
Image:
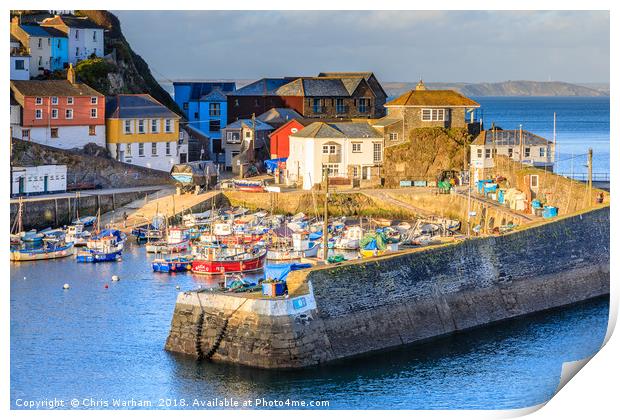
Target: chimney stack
<point>71,74</point>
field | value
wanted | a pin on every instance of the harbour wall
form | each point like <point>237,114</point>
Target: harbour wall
<point>54,212</point>
<point>345,310</point>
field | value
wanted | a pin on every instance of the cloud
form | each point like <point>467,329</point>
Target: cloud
<point>397,45</point>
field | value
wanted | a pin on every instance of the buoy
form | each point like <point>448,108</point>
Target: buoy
<point>115,278</point>
<point>106,286</point>
<point>65,286</point>
<point>24,277</point>
<point>178,287</point>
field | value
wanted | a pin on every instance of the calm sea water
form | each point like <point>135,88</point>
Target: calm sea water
<point>101,344</point>
<point>581,123</point>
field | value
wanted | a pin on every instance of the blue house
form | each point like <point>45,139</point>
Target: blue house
<point>204,105</point>
<point>59,45</point>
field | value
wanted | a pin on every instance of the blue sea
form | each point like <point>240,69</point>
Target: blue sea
<point>581,123</point>
<point>99,345</point>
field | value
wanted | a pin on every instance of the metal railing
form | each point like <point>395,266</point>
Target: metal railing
<point>583,176</point>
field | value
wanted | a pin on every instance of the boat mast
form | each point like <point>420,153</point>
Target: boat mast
<point>326,212</point>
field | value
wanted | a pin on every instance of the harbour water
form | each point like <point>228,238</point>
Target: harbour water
<point>97,344</point>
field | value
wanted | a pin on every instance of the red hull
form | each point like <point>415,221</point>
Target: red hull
<point>223,267</point>
<point>251,188</point>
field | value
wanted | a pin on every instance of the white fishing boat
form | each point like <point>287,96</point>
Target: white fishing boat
<point>77,235</point>
<point>177,240</point>
<point>350,239</point>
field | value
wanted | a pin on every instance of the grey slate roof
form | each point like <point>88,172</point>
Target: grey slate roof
<point>136,106</point>
<point>315,86</point>
<point>351,130</point>
<point>73,22</point>
<point>263,87</point>
<point>52,88</point>
<point>386,122</point>
<point>259,125</point>
<point>202,89</point>
<point>39,31</point>
<point>216,95</point>
<point>509,138</point>
<point>279,115</point>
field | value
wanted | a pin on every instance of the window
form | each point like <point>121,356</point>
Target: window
<point>356,171</point>
<point>38,101</point>
<point>77,34</point>
<point>38,114</point>
<point>40,61</point>
<point>487,153</point>
<point>168,126</point>
<point>93,113</point>
<point>333,169</point>
<point>141,127</point>
<point>54,114</point>
<point>316,106</point>
<point>527,152</point>
<point>77,51</point>
<point>58,44</point>
<point>232,137</point>
<point>54,133</point>
<point>248,134</point>
<point>25,134</point>
<point>393,136</point>
<point>185,106</point>
<point>214,125</point>
<point>356,147</point>
<point>376,152</point>
<point>93,100</point>
<point>154,126</point>
<point>54,100</point>
<point>40,43</point>
<point>479,153</point>
<point>95,36</point>
<point>140,149</point>
<point>128,150</point>
<point>154,149</point>
<point>196,116</point>
<point>127,126</point>
<point>433,114</point>
<point>256,102</point>
<point>340,108</point>
<point>167,148</point>
<point>214,109</point>
<point>69,114</point>
<point>92,130</point>
<point>69,100</point>
<point>542,152</point>
<point>19,64</point>
<point>236,102</point>
<point>510,152</point>
<point>534,181</point>
<point>366,172</point>
<point>329,149</point>
<point>363,105</point>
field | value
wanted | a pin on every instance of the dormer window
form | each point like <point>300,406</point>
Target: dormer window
<point>93,100</point>
<point>69,100</point>
<point>38,101</point>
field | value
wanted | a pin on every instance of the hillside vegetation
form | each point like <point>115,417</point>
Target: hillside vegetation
<point>428,152</point>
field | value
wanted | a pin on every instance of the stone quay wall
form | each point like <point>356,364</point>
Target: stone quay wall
<point>352,308</point>
<point>54,212</point>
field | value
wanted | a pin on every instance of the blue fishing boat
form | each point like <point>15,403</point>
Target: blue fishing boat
<point>105,246</point>
<point>172,264</point>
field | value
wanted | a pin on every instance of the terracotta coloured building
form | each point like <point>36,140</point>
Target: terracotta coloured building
<point>59,113</point>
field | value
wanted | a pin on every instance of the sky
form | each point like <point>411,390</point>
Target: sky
<point>398,46</point>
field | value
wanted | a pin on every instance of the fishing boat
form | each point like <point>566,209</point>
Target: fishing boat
<point>350,239</point>
<point>172,264</point>
<point>221,261</point>
<point>105,246</point>
<point>86,221</point>
<point>300,247</point>
<point>177,241</point>
<point>47,252</point>
<point>77,235</point>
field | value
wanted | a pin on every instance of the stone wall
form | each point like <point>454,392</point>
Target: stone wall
<point>358,307</point>
<point>54,212</point>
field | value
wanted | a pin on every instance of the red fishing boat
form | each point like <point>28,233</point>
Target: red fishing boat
<point>229,260</point>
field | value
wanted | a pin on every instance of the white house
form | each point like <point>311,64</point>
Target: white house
<point>518,145</point>
<point>351,151</point>
<point>20,61</point>
<point>85,38</point>
<point>38,179</point>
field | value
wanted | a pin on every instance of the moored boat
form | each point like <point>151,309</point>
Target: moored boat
<point>103,247</point>
<point>172,264</point>
<point>47,252</point>
<point>214,262</point>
